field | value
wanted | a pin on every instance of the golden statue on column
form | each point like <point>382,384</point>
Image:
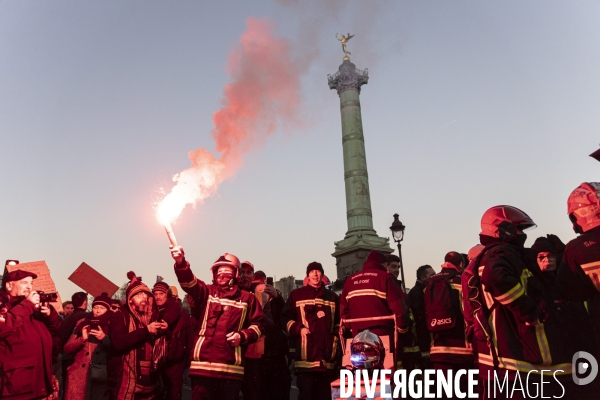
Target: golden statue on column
<point>344,40</point>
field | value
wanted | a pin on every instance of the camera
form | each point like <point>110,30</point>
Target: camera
<point>47,297</point>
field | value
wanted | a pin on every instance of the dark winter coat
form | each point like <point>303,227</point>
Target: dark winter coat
<point>122,342</point>
<point>451,346</point>
<point>417,305</point>
<point>276,342</point>
<point>221,312</point>
<point>86,353</point>
<point>513,298</point>
<point>176,318</point>
<point>69,323</point>
<point>26,350</point>
<point>318,310</point>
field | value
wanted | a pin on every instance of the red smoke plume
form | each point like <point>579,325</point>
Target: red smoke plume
<point>263,95</point>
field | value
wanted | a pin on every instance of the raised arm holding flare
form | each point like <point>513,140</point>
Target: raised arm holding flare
<point>230,319</point>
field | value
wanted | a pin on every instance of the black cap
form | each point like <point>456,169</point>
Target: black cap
<point>16,275</point>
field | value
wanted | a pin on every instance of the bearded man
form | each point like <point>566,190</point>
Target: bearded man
<point>134,333</point>
<point>230,320</point>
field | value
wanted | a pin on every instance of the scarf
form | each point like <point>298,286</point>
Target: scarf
<point>138,362</point>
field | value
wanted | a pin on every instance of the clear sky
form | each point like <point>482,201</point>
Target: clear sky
<point>469,105</point>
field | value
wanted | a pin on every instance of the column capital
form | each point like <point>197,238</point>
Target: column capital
<point>348,77</point>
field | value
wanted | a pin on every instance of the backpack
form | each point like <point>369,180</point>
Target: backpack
<point>439,303</point>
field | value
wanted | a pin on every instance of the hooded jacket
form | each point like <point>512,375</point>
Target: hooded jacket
<point>221,311</point>
<point>372,292</point>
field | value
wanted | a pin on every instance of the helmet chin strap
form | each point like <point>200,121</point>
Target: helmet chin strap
<point>576,227</point>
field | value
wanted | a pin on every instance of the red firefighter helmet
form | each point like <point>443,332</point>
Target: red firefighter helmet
<point>227,260</point>
<point>584,206</point>
<point>503,222</point>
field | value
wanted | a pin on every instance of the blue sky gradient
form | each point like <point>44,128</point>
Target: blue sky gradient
<point>469,105</point>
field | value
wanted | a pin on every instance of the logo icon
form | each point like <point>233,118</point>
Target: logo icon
<point>440,321</point>
<point>584,364</point>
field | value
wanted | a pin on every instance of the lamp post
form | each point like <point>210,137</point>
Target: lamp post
<point>397,229</point>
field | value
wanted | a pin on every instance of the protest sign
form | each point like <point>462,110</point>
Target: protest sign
<point>92,281</point>
<point>43,281</point>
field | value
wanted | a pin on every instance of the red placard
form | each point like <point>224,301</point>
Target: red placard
<point>92,281</point>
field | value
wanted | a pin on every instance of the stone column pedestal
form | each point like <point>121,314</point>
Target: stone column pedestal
<point>360,238</point>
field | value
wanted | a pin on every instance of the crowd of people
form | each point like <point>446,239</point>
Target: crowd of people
<point>499,307</point>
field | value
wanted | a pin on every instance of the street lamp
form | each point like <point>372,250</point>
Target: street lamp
<point>397,229</point>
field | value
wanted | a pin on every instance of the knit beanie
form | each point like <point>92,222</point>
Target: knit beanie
<point>314,265</point>
<point>161,287</point>
<point>136,286</point>
<point>102,300</point>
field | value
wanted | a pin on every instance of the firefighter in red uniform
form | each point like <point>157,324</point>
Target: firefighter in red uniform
<point>450,349</point>
<point>311,317</point>
<point>372,292</point>
<point>230,319</point>
<point>579,272</point>
<point>521,341</point>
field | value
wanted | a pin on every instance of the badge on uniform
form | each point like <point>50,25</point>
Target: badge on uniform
<point>321,314</point>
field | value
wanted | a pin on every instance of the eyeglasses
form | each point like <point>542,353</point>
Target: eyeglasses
<point>548,257</point>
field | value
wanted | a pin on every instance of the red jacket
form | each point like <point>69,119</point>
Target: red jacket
<point>220,313</point>
<point>26,350</point>
<point>317,310</point>
<point>372,292</point>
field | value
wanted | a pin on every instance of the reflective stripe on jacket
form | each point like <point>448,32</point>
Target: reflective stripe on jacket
<point>317,310</point>
<point>239,311</point>
<point>372,292</point>
<point>512,296</point>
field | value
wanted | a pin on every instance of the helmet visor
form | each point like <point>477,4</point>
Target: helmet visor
<point>526,226</point>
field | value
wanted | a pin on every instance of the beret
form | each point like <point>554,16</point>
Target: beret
<point>18,275</point>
